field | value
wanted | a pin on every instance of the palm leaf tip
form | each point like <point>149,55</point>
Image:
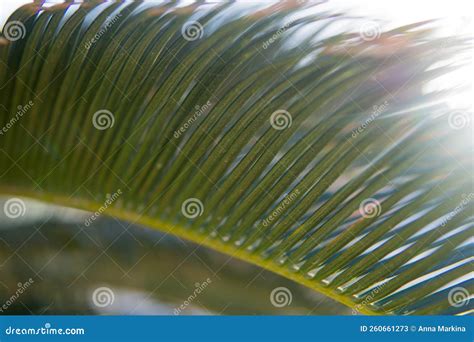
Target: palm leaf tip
<point>325,162</point>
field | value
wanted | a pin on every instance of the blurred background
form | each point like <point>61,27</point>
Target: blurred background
<point>112,267</point>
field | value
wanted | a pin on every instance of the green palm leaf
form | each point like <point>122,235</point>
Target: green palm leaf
<point>264,133</point>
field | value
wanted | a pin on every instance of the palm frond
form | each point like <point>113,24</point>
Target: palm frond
<point>266,133</point>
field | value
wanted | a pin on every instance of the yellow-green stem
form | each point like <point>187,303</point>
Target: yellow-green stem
<point>181,232</point>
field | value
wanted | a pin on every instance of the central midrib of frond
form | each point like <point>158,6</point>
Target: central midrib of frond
<point>188,234</point>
